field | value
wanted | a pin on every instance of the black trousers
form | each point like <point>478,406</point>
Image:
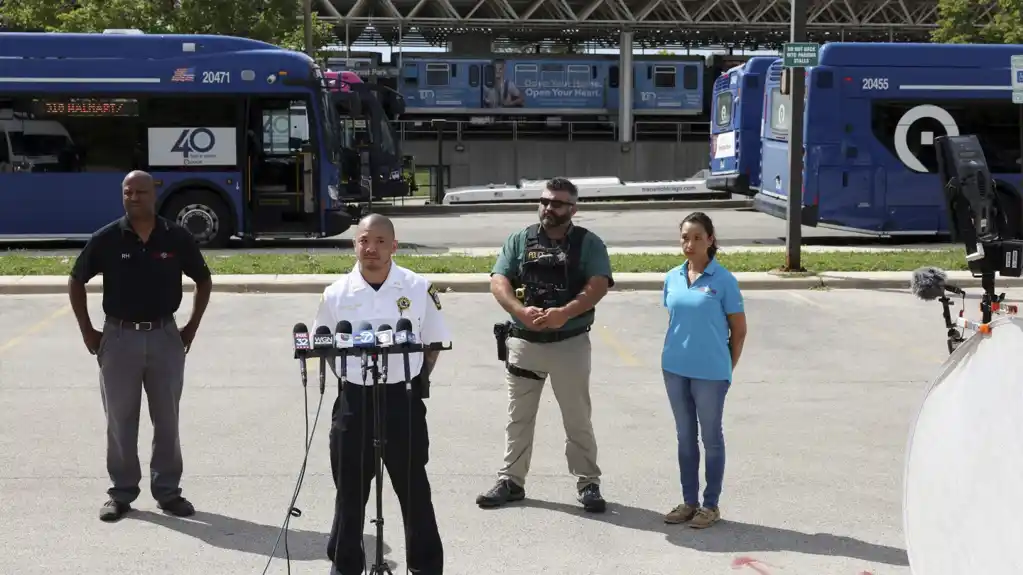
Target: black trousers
<point>353,463</point>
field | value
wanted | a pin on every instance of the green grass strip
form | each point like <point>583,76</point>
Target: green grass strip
<point>243,264</point>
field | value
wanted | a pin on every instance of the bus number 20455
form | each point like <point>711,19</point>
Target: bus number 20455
<point>875,83</point>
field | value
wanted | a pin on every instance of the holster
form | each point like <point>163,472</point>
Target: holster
<point>501,331</point>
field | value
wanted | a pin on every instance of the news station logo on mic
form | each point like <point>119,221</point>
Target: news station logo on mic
<point>343,340</point>
<point>365,338</point>
<point>300,338</point>
<point>323,339</point>
<point>385,338</point>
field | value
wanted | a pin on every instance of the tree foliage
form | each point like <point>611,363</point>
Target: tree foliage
<point>958,22</point>
<point>278,22</point>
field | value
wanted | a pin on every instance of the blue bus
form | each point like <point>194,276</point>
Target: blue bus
<point>737,108</point>
<point>872,113</point>
<point>242,137</point>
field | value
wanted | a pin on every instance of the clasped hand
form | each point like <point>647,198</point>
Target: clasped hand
<point>536,319</point>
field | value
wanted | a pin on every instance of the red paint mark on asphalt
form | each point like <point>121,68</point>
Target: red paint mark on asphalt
<point>740,562</point>
<point>761,568</point>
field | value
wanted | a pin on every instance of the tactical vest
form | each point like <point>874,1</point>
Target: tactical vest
<point>552,275</point>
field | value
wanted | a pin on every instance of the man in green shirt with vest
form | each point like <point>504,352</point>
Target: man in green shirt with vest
<point>549,276</point>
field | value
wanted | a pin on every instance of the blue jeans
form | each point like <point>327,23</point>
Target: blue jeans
<point>698,401</point>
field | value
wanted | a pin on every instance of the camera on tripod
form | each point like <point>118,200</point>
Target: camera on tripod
<point>985,219</point>
<point>986,222</point>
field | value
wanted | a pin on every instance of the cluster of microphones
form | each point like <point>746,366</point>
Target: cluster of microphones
<point>372,345</point>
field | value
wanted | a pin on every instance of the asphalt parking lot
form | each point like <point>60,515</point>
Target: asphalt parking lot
<point>816,428</point>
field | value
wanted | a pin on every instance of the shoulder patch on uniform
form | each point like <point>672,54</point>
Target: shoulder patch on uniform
<point>434,295</point>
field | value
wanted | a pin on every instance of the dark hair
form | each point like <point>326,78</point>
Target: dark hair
<point>562,185</point>
<point>708,226</point>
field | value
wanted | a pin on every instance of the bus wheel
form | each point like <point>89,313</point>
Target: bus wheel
<point>1012,211</point>
<point>203,214</point>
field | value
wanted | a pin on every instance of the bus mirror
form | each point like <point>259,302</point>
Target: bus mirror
<point>786,78</point>
<point>346,103</point>
<point>395,105</point>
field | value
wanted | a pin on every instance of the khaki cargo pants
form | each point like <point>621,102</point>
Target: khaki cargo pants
<point>567,363</point>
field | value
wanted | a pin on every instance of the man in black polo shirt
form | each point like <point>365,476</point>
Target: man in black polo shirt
<point>141,257</point>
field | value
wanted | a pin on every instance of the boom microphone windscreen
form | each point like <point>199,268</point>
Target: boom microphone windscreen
<point>928,283</point>
<point>962,502</point>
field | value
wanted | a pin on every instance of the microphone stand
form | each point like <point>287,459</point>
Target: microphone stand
<point>954,336</point>
<point>379,439</point>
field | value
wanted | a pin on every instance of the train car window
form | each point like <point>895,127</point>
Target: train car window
<point>690,79</point>
<point>488,76</point>
<point>578,76</point>
<point>437,74</point>
<point>612,76</point>
<point>664,76</point>
<point>552,74</point>
<point>526,75</point>
<point>474,75</point>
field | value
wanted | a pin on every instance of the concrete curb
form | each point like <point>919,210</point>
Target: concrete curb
<point>480,283</point>
<point>453,209</point>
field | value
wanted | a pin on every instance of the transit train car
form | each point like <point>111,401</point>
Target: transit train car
<point>534,95</point>
<point>549,85</point>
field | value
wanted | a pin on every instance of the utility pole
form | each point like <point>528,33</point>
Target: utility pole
<point>307,13</point>
<point>797,56</point>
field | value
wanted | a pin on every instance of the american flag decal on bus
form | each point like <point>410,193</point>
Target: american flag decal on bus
<point>183,75</point>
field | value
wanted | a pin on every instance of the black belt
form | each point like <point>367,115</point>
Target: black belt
<point>141,325</point>
<point>546,336</point>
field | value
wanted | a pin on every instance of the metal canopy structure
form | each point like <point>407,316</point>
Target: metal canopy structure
<point>683,23</point>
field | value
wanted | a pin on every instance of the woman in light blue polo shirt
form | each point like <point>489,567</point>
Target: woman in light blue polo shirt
<point>706,330</point>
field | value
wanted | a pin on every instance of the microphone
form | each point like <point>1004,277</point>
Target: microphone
<point>343,343</point>
<point>929,284</point>
<point>300,341</point>
<point>385,339</point>
<point>404,337</point>
<point>403,332</point>
<point>322,341</point>
<point>364,340</point>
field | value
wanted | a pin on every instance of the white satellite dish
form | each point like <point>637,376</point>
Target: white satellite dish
<point>963,485</point>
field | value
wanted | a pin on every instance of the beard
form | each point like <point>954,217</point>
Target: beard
<point>554,220</point>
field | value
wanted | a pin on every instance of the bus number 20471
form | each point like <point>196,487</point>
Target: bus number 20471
<point>875,83</point>
<point>216,77</point>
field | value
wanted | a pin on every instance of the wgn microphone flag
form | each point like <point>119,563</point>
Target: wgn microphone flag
<point>323,341</point>
<point>966,446</point>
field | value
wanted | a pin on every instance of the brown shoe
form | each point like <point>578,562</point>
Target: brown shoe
<point>705,517</point>
<point>680,514</point>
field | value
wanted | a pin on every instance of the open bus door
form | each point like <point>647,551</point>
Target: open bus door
<point>282,183</point>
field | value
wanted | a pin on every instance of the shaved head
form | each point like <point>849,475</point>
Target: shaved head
<point>138,178</point>
<point>375,244</point>
<point>138,194</point>
<point>378,223</point>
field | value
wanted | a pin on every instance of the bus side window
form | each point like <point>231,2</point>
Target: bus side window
<point>176,121</point>
<point>43,136</point>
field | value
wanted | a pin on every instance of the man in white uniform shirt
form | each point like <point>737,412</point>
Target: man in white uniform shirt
<point>379,291</point>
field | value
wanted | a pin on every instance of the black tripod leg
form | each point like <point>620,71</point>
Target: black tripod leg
<point>380,567</point>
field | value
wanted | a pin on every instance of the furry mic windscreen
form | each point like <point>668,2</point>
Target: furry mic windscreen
<point>928,283</point>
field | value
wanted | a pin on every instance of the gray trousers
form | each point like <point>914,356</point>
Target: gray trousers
<point>129,361</point>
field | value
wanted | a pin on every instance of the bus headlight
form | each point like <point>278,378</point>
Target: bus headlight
<point>332,191</point>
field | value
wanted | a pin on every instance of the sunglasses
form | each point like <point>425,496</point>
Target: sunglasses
<point>556,204</point>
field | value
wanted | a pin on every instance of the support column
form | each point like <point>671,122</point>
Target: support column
<point>625,76</point>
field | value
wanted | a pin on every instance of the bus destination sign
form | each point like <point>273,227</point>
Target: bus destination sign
<point>72,107</point>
